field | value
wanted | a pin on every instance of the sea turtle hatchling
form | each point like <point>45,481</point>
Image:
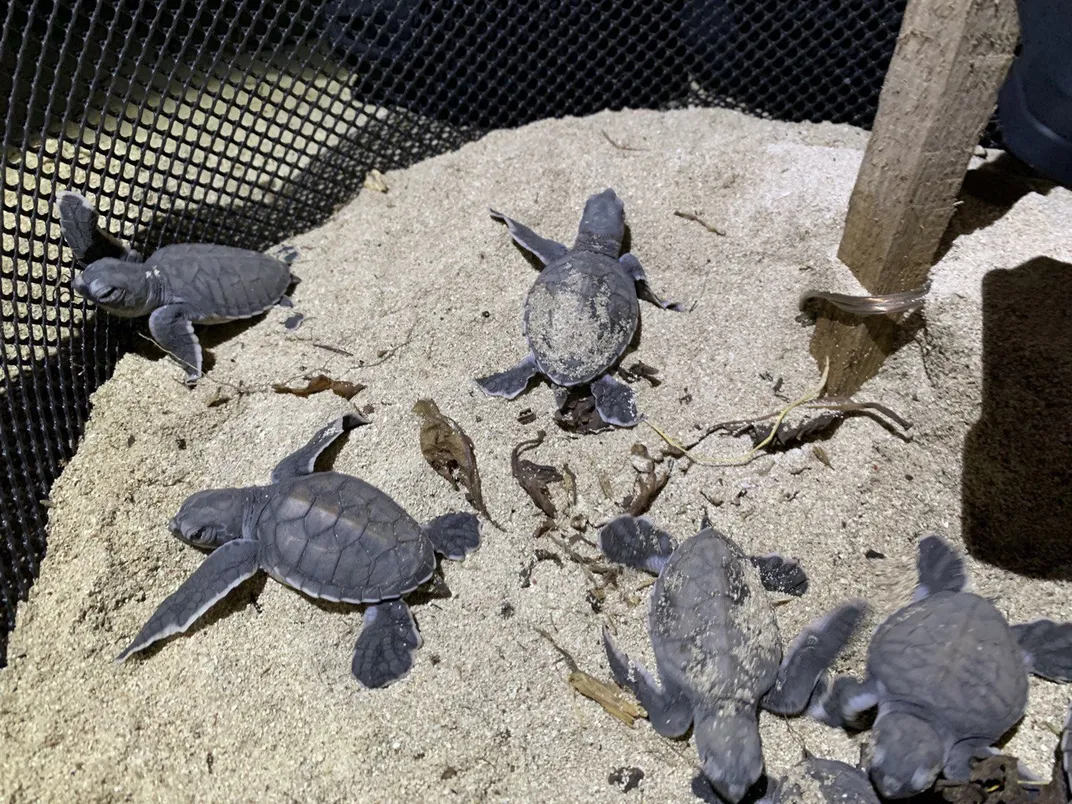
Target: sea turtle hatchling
<point>177,286</point>
<point>820,781</point>
<point>717,647</point>
<point>948,676</point>
<point>329,535</point>
<point>582,311</point>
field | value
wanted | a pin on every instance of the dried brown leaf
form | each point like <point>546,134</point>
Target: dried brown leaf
<point>319,383</point>
<point>450,452</point>
<point>374,180</point>
<point>535,477</point>
<point>608,696</point>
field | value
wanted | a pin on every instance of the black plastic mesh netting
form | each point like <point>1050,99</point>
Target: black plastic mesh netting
<point>247,122</point>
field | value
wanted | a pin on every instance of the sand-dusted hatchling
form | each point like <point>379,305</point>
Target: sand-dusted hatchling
<point>582,311</point>
<point>177,286</point>
<point>329,535</point>
<point>948,676</point>
<point>717,646</point>
<point>820,781</point>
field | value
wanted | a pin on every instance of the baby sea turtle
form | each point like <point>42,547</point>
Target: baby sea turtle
<point>177,286</point>
<point>948,676</point>
<point>329,535</point>
<point>717,647</point>
<point>821,781</point>
<point>582,311</point>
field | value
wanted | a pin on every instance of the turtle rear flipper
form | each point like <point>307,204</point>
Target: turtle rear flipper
<point>385,647</point>
<point>780,574</point>
<point>635,542</point>
<point>512,382</point>
<point>547,251</point>
<point>88,241</point>
<point>632,265</point>
<point>840,703</point>
<point>809,656</point>
<point>615,402</point>
<point>221,572</point>
<point>453,536</point>
<point>940,569</point>
<point>1047,648</point>
<point>669,711</point>
<point>303,461</point>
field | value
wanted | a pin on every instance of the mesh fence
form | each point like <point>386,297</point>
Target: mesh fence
<point>247,122</point>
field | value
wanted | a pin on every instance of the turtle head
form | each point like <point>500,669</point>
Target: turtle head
<point>602,225</point>
<point>210,518</point>
<point>908,755</point>
<point>122,288</point>
<point>727,739</point>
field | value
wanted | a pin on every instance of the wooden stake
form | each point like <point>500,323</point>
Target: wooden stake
<point>941,88</point>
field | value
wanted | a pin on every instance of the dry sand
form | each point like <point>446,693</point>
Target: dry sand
<point>425,291</point>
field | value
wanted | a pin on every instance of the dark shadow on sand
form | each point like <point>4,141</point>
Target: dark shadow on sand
<point>1017,484</point>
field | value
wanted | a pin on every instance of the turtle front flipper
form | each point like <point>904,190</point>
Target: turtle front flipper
<point>453,536</point>
<point>1047,647</point>
<point>633,267</point>
<point>1066,750</point>
<point>385,647</point>
<point>173,332</point>
<point>512,382</point>
<point>809,657</point>
<point>940,569</point>
<point>669,710</point>
<point>221,572</point>
<point>88,241</point>
<point>303,461</point>
<point>635,542</point>
<point>547,251</point>
<point>615,402</point>
<point>779,574</point>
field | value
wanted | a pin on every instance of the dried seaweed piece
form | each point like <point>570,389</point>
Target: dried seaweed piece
<point>579,414</point>
<point>534,477</point>
<point>791,435</point>
<point>993,780</point>
<point>450,452</point>
<point>649,482</point>
<point>321,382</point>
<point>640,371</point>
<point>608,696</point>
<point>527,416</point>
<point>877,304</point>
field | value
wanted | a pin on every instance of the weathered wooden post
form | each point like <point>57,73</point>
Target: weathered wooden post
<point>941,88</point>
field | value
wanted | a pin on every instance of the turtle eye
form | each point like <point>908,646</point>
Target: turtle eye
<point>111,295</point>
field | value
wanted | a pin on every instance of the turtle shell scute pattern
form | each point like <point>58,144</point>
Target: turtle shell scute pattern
<point>338,538</point>
<point>954,654</point>
<point>712,626</point>
<point>220,282</point>
<point>580,316</point>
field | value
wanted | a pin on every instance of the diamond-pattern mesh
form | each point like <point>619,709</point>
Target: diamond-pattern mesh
<point>247,121</point>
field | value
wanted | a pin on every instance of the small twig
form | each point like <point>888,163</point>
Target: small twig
<point>691,216</point>
<point>328,347</point>
<point>570,661</point>
<point>742,460</point>
<point>387,354</point>
<point>620,146</point>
